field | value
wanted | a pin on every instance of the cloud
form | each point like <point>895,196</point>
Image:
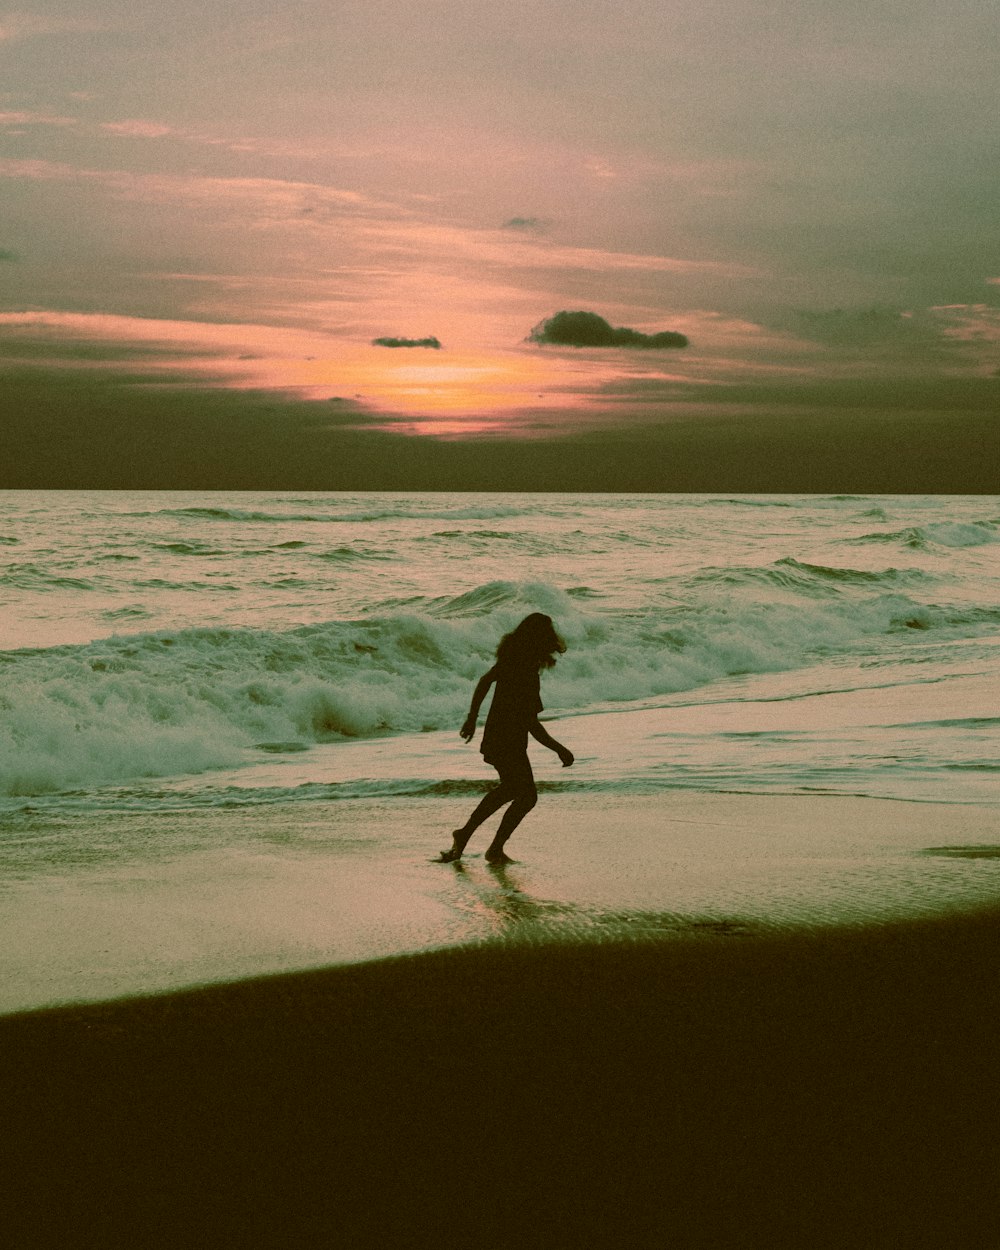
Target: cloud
<point>221,340</point>
<point>873,398</point>
<point>587,329</point>
<point>946,335</point>
<point>136,129</point>
<point>27,118</point>
<point>970,325</point>
<point>524,223</point>
<point>74,429</point>
<point>497,247</point>
<point>860,327</point>
<point>38,170</point>
<point>394,342</point>
<point>600,168</point>
<point>17,26</point>
<point>280,192</point>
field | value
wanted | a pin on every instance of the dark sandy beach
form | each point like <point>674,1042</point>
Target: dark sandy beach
<point>833,1088</point>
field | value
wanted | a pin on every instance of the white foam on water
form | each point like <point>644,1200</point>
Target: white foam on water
<point>164,703</point>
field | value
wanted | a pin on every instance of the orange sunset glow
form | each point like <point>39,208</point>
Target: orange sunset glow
<point>250,201</point>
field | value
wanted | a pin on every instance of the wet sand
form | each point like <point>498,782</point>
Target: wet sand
<point>795,1048</point>
<point>144,902</point>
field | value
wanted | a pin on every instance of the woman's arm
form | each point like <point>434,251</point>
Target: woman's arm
<point>546,739</point>
<point>478,695</point>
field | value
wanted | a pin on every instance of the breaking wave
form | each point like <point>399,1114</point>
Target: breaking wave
<point>172,702</point>
<point>938,534</point>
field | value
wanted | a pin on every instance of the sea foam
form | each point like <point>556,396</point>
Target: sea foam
<point>166,703</point>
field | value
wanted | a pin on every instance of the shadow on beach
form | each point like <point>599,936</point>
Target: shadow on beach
<point>827,1089</point>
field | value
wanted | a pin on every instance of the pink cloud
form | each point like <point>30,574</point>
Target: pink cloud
<point>294,197</point>
<point>18,26</point>
<point>508,250</point>
<point>138,129</point>
<point>35,119</point>
<point>970,323</point>
<point>37,170</point>
<point>191,334</point>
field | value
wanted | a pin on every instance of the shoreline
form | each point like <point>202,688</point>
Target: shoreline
<point>178,899</point>
<point>828,1087</point>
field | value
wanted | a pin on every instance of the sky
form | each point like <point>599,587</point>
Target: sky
<point>215,209</point>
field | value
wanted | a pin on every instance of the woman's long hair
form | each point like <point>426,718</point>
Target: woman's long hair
<point>534,644</point>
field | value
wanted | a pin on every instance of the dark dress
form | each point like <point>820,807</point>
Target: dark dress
<point>516,704</point>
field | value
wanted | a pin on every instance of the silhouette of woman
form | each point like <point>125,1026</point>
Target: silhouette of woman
<point>513,714</point>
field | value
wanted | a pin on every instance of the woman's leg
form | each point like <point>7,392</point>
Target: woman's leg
<point>517,787</point>
<point>518,780</point>
<point>491,802</point>
<point>488,804</point>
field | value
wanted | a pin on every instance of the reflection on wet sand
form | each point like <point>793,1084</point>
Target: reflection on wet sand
<point>498,898</point>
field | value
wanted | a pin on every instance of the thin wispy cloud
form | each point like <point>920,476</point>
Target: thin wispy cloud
<point>971,324</point>
<point>294,196</point>
<point>242,145</point>
<point>27,118</point>
<point>228,341</point>
<point>601,168</point>
<point>511,249</point>
<point>38,170</point>
<point>136,129</point>
<point>18,26</point>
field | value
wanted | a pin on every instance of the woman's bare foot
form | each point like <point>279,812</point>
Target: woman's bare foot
<point>498,858</point>
<point>458,843</point>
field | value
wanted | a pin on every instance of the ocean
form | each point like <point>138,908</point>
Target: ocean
<point>172,648</point>
<point>229,735</point>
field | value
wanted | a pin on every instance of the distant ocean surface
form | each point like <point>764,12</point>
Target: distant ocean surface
<point>179,649</point>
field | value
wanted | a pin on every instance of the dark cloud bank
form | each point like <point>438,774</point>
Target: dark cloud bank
<point>587,329</point>
<point>70,428</point>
